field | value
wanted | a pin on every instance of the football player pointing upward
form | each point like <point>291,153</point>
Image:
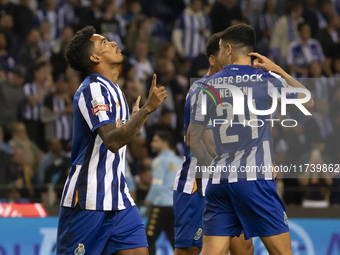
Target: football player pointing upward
<point>97,214</point>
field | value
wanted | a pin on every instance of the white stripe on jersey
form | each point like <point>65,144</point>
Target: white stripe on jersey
<point>268,175</point>
<point>96,93</point>
<point>196,38</point>
<point>187,33</point>
<point>83,110</point>
<point>70,191</point>
<point>91,193</point>
<point>120,166</point>
<point>251,163</point>
<point>190,182</point>
<point>108,180</point>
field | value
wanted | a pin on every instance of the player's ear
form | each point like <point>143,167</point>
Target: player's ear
<point>212,60</point>
<point>229,48</point>
<point>95,59</point>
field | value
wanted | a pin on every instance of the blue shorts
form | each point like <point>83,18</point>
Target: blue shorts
<point>253,206</point>
<point>99,232</point>
<point>188,210</point>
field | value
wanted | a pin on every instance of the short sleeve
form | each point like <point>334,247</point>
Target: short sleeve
<point>198,107</point>
<point>276,81</point>
<point>97,105</point>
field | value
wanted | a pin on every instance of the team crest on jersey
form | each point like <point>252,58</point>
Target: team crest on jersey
<point>285,218</point>
<point>198,234</point>
<point>99,105</point>
<point>80,250</point>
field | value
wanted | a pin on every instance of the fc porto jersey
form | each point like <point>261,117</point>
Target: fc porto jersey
<point>243,141</point>
<point>96,180</point>
<point>186,180</point>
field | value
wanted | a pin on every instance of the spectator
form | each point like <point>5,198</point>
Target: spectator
<point>35,93</point>
<point>164,123</point>
<point>11,96</point>
<point>45,43</point>
<point>21,174</point>
<point>326,10</point>
<point>303,51</point>
<point>267,21</point>
<point>318,85</point>
<point>13,196</point>
<point>134,9</point>
<point>310,15</point>
<point>23,19</point>
<point>55,15</point>
<point>316,183</point>
<point>3,145</point>
<point>329,38</point>
<point>30,50</point>
<point>140,31</point>
<point>144,179</point>
<point>7,24</point>
<point>6,7</point>
<point>285,31</point>
<point>109,25</point>
<point>130,182</point>
<point>132,88</point>
<point>90,16</point>
<point>58,50</point>
<point>141,62</point>
<point>188,38</point>
<point>160,195</point>
<point>55,153</point>
<point>56,112</point>
<point>224,14</point>
<point>30,150</point>
<point>7,61</point>
<point>319,125</point>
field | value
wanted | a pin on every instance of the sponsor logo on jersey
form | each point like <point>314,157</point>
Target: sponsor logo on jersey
<point>99,105</point>
<point>285,218</point>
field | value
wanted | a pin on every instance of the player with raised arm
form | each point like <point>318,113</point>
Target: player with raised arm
<point>236,199</point>
<point>97,214</point>
<point>189,186</point>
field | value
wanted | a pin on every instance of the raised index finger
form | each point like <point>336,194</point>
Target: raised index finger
<point>255,54</point>
<point>153,85</point>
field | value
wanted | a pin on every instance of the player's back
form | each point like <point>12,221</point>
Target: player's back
<point>241,144</point>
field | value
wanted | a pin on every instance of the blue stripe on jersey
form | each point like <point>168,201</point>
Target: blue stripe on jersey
<point>114,183</point>
<point>83,174</point>
<point>100,176</point>
<point>259,157</point>
<point>243,162</point>
<point>126,201</point>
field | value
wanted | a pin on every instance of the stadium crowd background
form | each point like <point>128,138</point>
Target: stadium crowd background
<point>166,37</point>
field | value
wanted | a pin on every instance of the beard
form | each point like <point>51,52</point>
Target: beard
<point>123,60</point>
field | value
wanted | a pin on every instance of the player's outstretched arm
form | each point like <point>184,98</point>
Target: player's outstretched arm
<point>196,145</point>
<point>114,138</point>
<point>267,65</point>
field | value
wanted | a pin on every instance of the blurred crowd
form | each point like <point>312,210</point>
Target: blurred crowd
<point>167,38</point>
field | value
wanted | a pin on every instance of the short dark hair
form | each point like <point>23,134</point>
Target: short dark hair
<point>240,34</point>
<point>79,48</point>
<point>167,136</point>
<point>301,25</point>
<point>212,46</point>
<point>39,64</point>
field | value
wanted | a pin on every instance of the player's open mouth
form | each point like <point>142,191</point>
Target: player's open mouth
<point>118,51</point>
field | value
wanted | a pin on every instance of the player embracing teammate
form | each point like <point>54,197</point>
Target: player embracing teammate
<point>240,201</point>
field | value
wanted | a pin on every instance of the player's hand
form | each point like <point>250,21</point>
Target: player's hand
<point>156,96</point>
<point>262,62</point>
<point>136,107</point>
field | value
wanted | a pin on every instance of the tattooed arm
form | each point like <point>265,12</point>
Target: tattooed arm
<point>115,138</point>
<point>196,145</point>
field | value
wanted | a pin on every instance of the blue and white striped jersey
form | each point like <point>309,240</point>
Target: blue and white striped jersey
<point>193,40</point>
<point>97,177</point>
<point>243,150</point>
<point>32,112</point>
<point>186,180</point>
